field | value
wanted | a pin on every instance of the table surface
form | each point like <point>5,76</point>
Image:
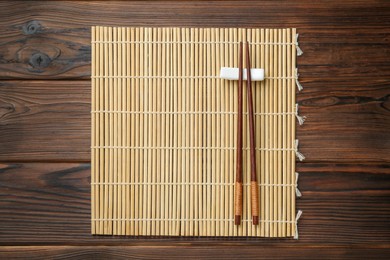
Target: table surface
<point>45,127</point>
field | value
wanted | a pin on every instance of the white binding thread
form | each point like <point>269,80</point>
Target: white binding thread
<point>173,77</point>
<point>186,219</point>
<point>299,214</point>
<point>297,192</point>
<point>187,183</point>
<point>299,50</point>
<point>191,42</point>
<point>300,156</point>
<point>186,148</point>
<point>152,77</point>
<point>299,86</point>
<point>301,119</point>
<point>187,113</point>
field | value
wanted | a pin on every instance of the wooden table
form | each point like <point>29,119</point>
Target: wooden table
<point>45,55</point>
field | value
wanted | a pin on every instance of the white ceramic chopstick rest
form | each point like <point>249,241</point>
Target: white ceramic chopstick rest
<point>232,74</point>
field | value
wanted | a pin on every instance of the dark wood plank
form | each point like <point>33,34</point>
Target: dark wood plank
<point>49,204</point>
<point>52,39</point>
<point>191,252</point>
<point>45,120</point>
<point>346,121</point>
<point>50,120</point>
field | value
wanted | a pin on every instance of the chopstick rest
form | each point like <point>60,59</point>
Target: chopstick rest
<point>233,74</point>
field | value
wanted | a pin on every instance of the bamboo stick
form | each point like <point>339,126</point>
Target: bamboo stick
<point>275,134</point>
<point>224,171</point>
<point>95,172</point>
<point>146,135</point>
<point>102,140</point>
<point>276,131</point>
<point>149,127</point>
<point>93,131</point>
<point>212,118</point>
<point>110,134</point>
<point>217,134</point>
<point>180,132</point>
<point>95,153</point>
<point>183,115</point>
<point>272,133</point>
<point>156,172</point>
<point>197,160</point>
<point>262,134</point>
<point>227,88</point>
<point>122,123</point>
<point>144,129</point>
<point>99,127</point>
<point>163,124</point>
<point>292,96</point>
<point>102,132</point>
<point>284,101</point>
<point>159,171</point>
<point>119,157</point>
<point>289,140</point>
<point>130,106</point>
<point>137,136</point>
<point>267,134</point>
<point>142,155</point>
<point>183,141</point>
<point>190,135</point>
<point>115,134</point>
<point>233,62</point>
<point>175,129</point>
<point>126,135</point>
<point>279,135</point>
<point>203,154</point>
<point>122,134</point>
<point>169,100</point>
<point>208,134</point>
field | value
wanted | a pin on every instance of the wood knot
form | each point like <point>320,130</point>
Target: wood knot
<point>39,60</point>
<point>38,57</point>
<point>32,27</point>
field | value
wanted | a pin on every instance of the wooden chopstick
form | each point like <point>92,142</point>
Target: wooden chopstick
<point>254,187</point>
<point>238,185</point>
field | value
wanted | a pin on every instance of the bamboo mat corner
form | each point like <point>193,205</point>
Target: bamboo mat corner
<point>164,130</point>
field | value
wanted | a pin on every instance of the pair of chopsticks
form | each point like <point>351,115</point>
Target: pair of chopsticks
<point>238,185</point>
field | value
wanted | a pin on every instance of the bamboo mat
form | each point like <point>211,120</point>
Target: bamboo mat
<point>164,132</point>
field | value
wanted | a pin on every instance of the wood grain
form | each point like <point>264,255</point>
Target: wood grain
<point>50,120</point>
<point>188,251</point>
<point>45,120</point>
<point>49,204</point>
<point>52,39</point>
